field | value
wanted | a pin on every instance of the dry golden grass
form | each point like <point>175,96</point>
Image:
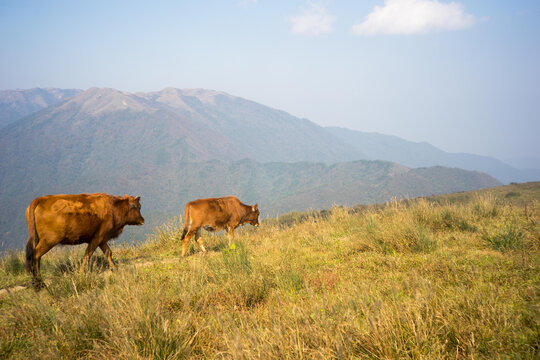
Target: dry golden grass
<point>422,279</point>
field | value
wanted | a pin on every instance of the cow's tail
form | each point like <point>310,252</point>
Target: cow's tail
<point>33,237</point>
<point>187,222</point>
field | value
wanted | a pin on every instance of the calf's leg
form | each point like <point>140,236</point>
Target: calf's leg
<point>185,242</point>
<point>230,234</point>
<point>199,241</point>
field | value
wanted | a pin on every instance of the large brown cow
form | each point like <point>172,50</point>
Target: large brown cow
<point>216,214</point>
<point>75,219</point>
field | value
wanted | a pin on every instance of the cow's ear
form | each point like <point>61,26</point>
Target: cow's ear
<point>137,198</point>
<point>126,195</point>
<point>119,200</point>
<point>256,207</point>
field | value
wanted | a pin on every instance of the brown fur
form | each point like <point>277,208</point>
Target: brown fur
<point>216,214</point>
<point>75,219</point>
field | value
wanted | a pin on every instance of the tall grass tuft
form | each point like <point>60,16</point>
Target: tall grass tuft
<point>12,263</point>
<point>507,237</point>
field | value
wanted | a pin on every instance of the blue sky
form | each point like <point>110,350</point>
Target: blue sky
<point>462,75</point>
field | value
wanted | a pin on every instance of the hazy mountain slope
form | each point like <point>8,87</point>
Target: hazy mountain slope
<point>391,148</point>
<point>176,145</point>
<point>16,104</point>
<point>257,131</point>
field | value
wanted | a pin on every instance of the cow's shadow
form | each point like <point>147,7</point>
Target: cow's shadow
<point>210,244</point>
<point>217,247</point>
<point>96,264</point>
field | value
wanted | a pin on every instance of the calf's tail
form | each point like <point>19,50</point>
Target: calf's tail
<point>187,223</point>
<point>33,237</point>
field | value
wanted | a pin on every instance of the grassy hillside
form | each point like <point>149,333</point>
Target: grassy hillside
<point>443,277</point>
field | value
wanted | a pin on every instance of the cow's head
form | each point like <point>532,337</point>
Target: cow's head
<point>133,216</point>
<point>253,216</point>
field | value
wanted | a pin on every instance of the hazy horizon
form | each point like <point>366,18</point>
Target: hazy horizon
<point>462,76</point>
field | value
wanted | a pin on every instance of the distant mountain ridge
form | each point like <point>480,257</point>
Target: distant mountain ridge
<point>16,104</point>
<point>391,148</point>
<point>175,145</point>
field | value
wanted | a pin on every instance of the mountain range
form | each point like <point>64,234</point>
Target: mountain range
<point>236,128</point>
<point>175,145</point>
<point>411,154</point>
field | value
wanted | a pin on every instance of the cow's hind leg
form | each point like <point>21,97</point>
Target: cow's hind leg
<point>42,248</point>
<point>108,253</point>
<point>199,240</point>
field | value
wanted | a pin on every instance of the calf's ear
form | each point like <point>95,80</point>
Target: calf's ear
<point>255,207</point>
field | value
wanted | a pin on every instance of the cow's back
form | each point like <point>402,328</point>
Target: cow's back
<point>71,219</point>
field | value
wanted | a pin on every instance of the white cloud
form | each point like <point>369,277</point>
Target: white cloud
<point>314,21</point>
<point>247,3</point>
<point>414,17</point>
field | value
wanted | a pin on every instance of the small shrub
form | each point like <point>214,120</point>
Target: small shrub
<point>453,220</point>
<point>422,241</point>
<point>507,238</point>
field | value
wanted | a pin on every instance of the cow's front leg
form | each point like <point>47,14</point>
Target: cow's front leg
<point>88,253</point>
<point>230,234</point>
<point>108,253</point>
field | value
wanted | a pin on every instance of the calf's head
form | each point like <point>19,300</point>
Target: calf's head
<point>253,216</point>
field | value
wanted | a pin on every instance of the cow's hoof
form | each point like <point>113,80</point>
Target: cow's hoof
<point>38,284</point>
